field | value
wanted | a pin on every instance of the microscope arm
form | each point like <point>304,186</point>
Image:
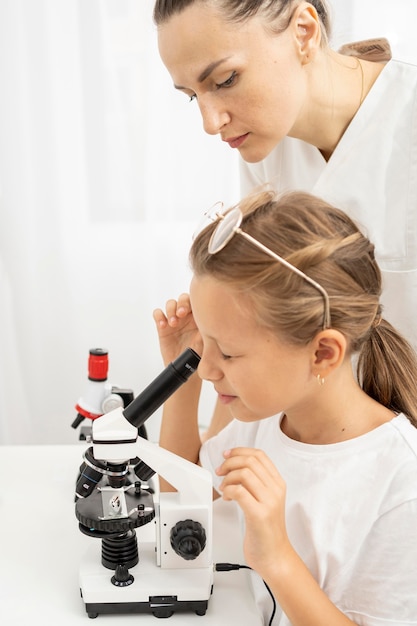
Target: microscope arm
<point>194,484</point>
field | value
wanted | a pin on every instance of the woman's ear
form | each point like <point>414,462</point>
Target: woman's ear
<point>306,24</point>
<point>329,350</point>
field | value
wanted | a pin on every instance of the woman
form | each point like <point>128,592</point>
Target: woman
<point>323,468</point>
<point>305,117</point>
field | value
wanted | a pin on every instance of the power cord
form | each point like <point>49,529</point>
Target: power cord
<point>228,567</point>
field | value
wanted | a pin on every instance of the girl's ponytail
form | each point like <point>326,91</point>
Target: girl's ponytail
<point>387,369</point>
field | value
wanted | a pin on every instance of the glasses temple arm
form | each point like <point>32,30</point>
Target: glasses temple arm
<point>326,320</point>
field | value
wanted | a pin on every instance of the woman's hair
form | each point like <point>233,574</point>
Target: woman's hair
<point>325,244</point>
<point>278,12</point>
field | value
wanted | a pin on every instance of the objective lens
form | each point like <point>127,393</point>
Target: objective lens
<point>143,471</point>
<point>92,471</point>
<point>87,480</point>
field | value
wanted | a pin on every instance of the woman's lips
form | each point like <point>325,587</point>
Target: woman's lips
<point>236,142</point>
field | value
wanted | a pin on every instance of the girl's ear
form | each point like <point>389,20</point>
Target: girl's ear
<point>306,24</point>
<point>329,350</point>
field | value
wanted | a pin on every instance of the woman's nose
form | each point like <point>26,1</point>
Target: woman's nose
<point>214,117</point>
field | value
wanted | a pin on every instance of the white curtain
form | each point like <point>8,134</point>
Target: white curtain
<point>104,173</point>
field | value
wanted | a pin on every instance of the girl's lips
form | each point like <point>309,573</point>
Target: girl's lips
<point>225,399</point>
<point>236,142</point>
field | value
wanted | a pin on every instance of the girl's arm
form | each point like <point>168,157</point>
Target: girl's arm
<point>179,428</point>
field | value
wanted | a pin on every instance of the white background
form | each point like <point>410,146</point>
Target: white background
<point>104,173</point>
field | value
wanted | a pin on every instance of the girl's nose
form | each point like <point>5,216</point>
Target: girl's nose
<point>207,368</point>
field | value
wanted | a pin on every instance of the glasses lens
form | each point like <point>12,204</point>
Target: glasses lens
<point>225,230</point>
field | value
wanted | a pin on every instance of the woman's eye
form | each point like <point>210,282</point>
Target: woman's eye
<point>225,357</point>
<point>193,97</point>
<point>227,83</point>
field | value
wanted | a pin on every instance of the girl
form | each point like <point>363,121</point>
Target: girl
<point>323,467</point>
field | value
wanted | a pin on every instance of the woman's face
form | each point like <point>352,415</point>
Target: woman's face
<point>248,83</point>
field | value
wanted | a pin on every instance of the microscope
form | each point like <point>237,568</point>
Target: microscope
<point>171,569</point>
<point>100,396</point>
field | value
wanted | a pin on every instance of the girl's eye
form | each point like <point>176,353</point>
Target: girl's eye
<point>225,357</point>
<point>227,83</point>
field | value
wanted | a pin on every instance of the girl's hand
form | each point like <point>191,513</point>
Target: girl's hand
<point>176,328</point>
<point>251,479</point>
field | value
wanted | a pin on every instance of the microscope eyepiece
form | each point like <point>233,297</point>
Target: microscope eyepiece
<point>162,387</point>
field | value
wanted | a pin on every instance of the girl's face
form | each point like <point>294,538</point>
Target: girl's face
<point>248,83</point>
<point>253,372</point>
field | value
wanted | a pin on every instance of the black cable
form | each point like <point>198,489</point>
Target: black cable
<point>228,567</point>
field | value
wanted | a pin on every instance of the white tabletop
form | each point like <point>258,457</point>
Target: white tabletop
<point>41,548</point>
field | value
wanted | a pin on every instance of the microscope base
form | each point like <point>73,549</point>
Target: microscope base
<point>159,607</point>
<point>157,591</point>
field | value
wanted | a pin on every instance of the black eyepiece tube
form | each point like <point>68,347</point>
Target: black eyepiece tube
<point>162,387</point>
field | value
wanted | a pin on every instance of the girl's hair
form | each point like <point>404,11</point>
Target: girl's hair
<point>277,11</point>
<point>325,244</point>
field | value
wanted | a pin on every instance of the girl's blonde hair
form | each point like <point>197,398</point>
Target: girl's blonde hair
<point>325,244</point>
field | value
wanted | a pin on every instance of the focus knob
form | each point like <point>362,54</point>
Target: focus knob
<point>122,577</point>
<point>188,539</point>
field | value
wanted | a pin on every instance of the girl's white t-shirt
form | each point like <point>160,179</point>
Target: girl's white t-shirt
<point>351,513</point>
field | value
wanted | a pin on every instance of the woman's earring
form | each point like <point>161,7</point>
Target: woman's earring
<point>320,380</point>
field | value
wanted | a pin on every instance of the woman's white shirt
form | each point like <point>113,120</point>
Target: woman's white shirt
<point>372,175</point>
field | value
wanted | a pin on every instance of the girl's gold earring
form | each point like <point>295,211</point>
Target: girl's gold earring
<point>320,380</point>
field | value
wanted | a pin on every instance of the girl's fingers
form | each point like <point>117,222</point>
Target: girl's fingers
<point>248,457</point>
<point>171,312</point>
<point>253,470</point>
<point>176,310</point>
<point>183,305</point>
<point>160,318</point>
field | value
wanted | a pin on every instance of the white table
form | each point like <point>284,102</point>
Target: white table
<point>41,548</point>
